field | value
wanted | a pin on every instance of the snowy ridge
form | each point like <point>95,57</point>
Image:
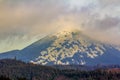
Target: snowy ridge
<point>68,48</point>
<point>67,45</point>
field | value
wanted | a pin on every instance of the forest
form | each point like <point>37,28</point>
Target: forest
<point>11,69</point>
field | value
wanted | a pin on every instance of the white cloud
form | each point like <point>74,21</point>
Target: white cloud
<point>28,18</point>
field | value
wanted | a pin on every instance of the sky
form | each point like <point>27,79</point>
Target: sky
<point>23,22</point>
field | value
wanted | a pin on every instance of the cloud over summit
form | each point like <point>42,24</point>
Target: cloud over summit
<point>24,20</point>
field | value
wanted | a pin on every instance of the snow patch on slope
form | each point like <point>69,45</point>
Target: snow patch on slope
<point>67,45</point>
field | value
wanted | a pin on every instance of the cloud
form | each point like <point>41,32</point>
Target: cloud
<point>19,19</point>
<point>107,23</point>
<point>25,21</point>
<point>21,16</point>
<point>103,24</point>
<point>109,2</point>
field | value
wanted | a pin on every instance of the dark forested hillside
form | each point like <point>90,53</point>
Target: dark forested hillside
<point>17,70</point>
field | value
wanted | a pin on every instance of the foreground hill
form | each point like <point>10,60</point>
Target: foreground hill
<point>17,70</point>
<point>67,48</point>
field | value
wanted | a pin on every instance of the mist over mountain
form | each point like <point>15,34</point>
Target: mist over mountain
<point>67,47</point>
<point>59,39</point>
<point>21,21</point>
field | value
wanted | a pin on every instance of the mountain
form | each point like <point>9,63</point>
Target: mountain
<point>67,48</point>
<point>10,54</point>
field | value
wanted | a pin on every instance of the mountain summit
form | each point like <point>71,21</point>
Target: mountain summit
<point>69,47</point>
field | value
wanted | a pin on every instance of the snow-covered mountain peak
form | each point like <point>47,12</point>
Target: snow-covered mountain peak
<point>66,33</point>
<point>68,47</point>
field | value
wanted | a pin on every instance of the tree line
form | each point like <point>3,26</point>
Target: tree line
<point>11,69</point>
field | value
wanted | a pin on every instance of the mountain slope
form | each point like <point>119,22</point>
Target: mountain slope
<point>10,54</point>
<point>69,47</point>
